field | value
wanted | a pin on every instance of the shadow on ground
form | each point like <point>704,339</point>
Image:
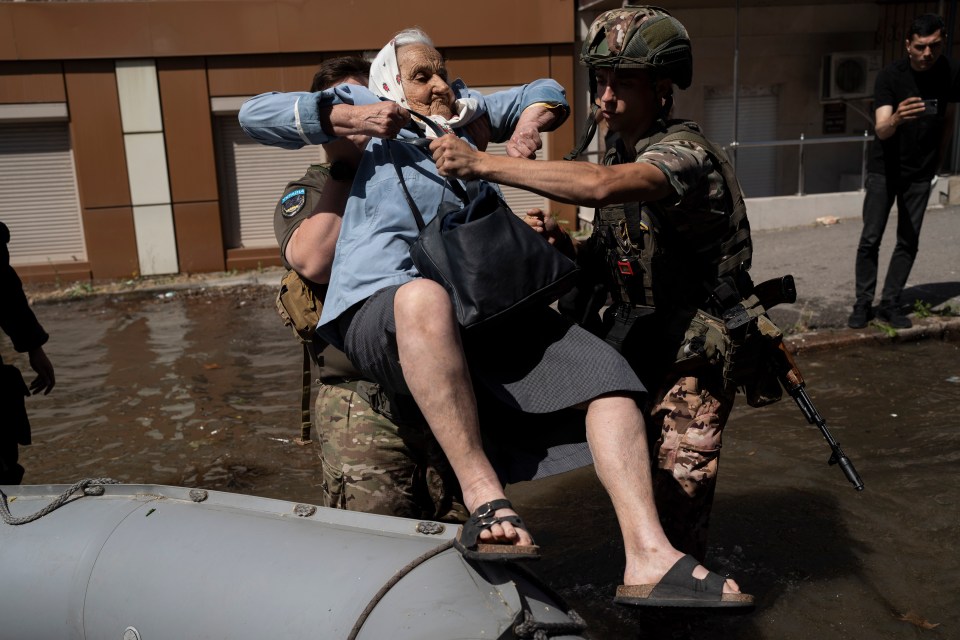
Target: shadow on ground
<point>933,293</point>
<point>785,541</point>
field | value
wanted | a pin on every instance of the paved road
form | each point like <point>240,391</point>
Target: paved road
<point>821,259</point>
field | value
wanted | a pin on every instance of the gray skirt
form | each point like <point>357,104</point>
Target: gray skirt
<point>538,363</point>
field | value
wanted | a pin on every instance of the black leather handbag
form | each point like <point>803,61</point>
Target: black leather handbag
<point>490,261</point>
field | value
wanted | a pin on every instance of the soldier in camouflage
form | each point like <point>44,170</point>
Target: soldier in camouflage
<point>670,245</point>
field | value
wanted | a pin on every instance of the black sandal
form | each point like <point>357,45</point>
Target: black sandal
<point>468,538</point>
<point>678,588</point>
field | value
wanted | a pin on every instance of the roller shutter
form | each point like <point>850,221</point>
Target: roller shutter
<point>252,179</point>
<point>756,167</point>
<point>38,194</point>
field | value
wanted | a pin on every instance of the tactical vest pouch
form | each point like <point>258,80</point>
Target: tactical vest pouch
<point>299,306</point>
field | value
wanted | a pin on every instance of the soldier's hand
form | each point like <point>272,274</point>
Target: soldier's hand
<point>544,223</point>
<point>454,157</point>
<point>45,379</point>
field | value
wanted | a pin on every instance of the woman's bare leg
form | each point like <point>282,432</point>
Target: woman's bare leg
<point>435,369</point>
<point>615,432</point>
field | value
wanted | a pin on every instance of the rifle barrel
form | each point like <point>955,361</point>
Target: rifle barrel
<point>799,394</point>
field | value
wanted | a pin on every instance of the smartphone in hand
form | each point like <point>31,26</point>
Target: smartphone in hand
<point>929,106</point>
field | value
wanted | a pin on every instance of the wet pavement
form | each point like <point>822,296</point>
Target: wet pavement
<point>824,561</point>
<point>195,382</point>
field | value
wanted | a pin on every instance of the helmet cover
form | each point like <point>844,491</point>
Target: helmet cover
<point>640,37</point>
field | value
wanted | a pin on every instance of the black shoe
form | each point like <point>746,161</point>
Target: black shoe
<point>862,314</point>
<point>893,317</point>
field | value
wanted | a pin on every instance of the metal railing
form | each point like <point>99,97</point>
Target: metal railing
<point>800,144</point>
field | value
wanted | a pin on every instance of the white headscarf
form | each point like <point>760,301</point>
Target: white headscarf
<point>385,82</point>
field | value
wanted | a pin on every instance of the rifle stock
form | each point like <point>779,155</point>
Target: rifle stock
<point>792,381</point>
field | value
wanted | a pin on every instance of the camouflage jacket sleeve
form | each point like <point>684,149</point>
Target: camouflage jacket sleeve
<point>692,173</point>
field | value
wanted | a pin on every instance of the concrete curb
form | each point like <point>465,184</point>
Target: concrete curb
<point>943,328</point>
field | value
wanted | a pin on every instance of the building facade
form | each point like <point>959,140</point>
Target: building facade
<point>121,156</point>
<point>120,152</point>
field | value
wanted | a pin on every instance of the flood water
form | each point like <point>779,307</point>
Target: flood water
<point>201,388</point>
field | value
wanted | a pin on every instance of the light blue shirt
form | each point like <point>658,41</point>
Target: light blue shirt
<point>373,250</point>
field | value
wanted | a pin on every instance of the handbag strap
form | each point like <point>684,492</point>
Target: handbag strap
<point>453,184</point>
<point>406,192</point>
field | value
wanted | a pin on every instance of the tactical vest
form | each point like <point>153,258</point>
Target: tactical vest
<point>654,262</point>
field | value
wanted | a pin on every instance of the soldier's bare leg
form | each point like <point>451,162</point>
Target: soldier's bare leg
<point>615,432</point>
<point>435,370</point>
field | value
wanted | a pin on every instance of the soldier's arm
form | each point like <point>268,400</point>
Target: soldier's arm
<point>311,247</point>
<point>571,182</point>
<point>312,244</point>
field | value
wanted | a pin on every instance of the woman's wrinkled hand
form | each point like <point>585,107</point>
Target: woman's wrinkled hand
<point>525,142</point>
<point>381,120</point>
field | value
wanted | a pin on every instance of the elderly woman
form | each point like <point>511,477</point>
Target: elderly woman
<point>401,328</point>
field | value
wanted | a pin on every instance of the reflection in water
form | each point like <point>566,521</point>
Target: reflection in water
<point>202,389</point>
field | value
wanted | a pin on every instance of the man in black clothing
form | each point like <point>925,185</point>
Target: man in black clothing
<point>911,101</point>
<point>18,322</point>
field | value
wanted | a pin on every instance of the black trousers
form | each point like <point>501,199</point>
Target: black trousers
<point>14,426</point>
<point>10,471</point>
<point>911,199</point>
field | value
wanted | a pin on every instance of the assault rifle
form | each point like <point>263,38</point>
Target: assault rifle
<point>774,292</point>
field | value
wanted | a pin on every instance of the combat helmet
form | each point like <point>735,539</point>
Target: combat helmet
<point>640,37</point>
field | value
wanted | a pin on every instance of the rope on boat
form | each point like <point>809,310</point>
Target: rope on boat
<point>90,487</point>
<point>378,596</point>
<point>526,625</point>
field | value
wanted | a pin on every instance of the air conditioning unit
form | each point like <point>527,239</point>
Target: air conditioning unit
<point>849,75</point>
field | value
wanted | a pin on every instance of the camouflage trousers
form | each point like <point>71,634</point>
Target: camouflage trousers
<point>374,465</point>
<point>690,418</point>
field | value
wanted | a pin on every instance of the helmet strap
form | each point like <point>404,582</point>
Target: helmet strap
<point>589,130</point>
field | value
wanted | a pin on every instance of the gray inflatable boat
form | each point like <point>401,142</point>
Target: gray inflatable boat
<point>148,562</point>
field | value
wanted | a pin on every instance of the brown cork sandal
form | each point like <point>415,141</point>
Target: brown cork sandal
<point>678,588</point>
<point>468,538</point>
